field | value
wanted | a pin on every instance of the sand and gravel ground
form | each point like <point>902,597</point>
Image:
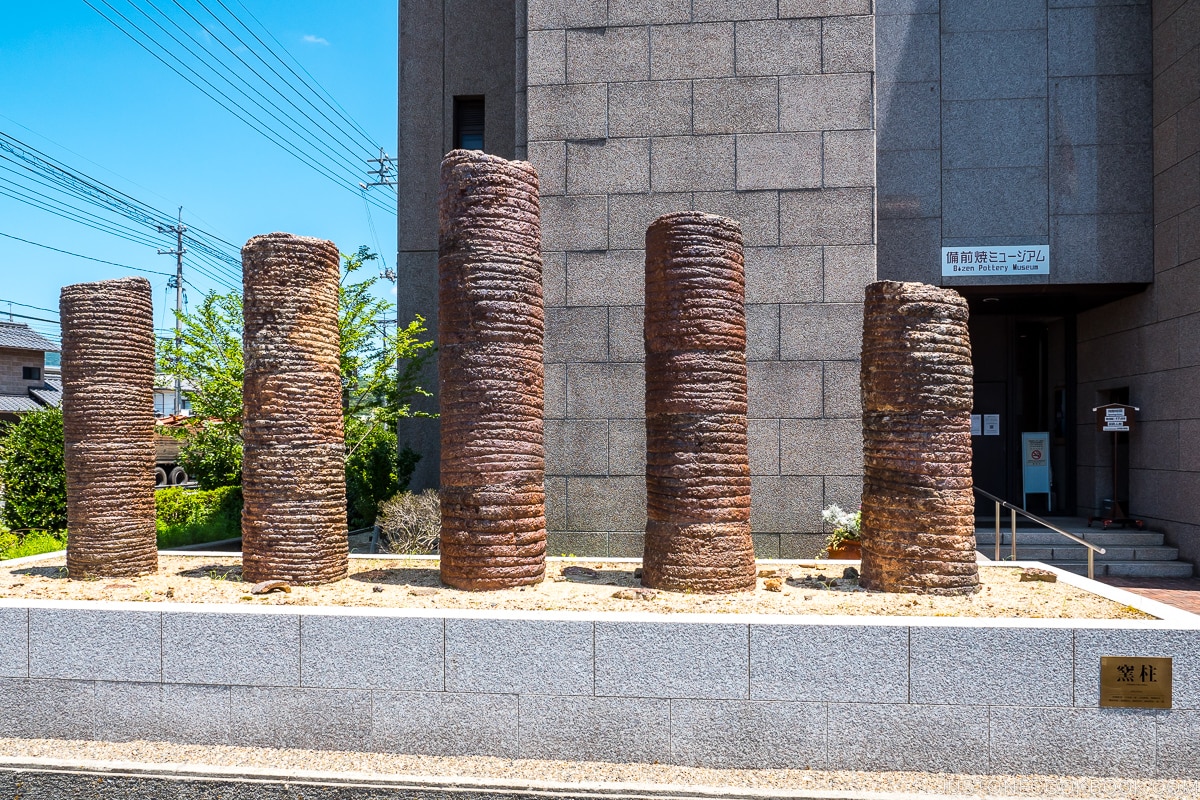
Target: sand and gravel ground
<point>571,772</point>
<point>571,584</point>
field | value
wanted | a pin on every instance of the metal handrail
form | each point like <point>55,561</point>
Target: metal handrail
<point>1014,510</point>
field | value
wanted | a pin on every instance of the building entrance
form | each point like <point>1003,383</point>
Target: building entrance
<point>1024,384</point>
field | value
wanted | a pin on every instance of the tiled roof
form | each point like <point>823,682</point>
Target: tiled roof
<point>50,394</point>
<point>20,337</point>
<point>17,403</point>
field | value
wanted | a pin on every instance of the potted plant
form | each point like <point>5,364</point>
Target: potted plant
<point>844,541</point>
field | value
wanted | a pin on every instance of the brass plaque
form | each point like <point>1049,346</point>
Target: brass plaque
<point>1135,682</point>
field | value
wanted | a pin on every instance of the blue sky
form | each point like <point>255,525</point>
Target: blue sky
<point>82,92</point>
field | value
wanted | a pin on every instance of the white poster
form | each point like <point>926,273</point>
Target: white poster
<point>976,425</point>
<point>991,424</point>
<point>995,260</point>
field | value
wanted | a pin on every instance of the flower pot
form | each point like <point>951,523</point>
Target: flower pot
<point>847,550</point>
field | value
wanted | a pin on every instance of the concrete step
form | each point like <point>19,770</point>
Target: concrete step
<point>987,536</point>
<point>1130,569</point>
<point>1079,553</point>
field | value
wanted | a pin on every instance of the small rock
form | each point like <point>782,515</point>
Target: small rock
<point>773,585</point>
<point>635,594</point>
<point>170,592</point>
<point>579,572</point>
<point>376,588</point>
<point>422,591</point>
<point>850,574</point>
<point>1035,574</point>
<point>267,587</point>
<point>120,586</point>
<point>768,573</point>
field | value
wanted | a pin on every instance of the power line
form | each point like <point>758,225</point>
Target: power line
<point>26,305</point>
<point>80,255</point>
<point>241,113</point>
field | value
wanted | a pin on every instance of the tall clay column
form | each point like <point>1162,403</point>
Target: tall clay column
<point>293,467</point>
<point>491,376</point>
<point>108,427</point>
<point>697,461</point>
<point>918,518</point>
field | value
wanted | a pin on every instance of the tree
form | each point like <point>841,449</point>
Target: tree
<point>33,474</point>
<point>208,358</point>
<point>380,370</point>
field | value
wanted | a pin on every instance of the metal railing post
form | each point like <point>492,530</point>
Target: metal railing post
<point>1091,564</point>
<point>997,530</point>
<point>1013,513</point>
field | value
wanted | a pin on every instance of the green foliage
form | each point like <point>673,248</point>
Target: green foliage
<point>191,516</point>
<point>209,358</point>
<point>33,543</point>
<point>212,455</point>
<point>411,522</point>
<point>373,384</point>
<point>33,473</point>
<point>375,469</point>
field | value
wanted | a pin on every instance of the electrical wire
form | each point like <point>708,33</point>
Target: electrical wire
<point>245,116</point>
<point>80,255</point>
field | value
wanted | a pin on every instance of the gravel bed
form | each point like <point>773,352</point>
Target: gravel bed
<point>572,772</point>
<point>572,584</point>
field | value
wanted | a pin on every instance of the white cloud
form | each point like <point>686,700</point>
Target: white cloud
<point>308,38</point>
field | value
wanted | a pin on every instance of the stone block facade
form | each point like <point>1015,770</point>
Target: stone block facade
<point>1147,344</point>
<point>761,113</point>
<point>742,691</point>
<point>1017,122</point>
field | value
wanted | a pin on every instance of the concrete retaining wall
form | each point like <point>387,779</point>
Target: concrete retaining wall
<point>952,695</point>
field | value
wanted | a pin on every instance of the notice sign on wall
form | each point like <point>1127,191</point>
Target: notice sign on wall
<point>1133,682</point>
<point>993,260</point>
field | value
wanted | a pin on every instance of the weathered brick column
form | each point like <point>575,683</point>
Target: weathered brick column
<point>293,464</point>
<point>108,427</point>
<point>918,513</point>
<point>697,461</point>
<point>491,377</point>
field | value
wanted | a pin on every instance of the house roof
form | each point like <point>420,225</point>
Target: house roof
<point>16,336</point>
<point>49,394</point>
<point>18,403</point>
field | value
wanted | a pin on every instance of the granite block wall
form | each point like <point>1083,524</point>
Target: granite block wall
<point>762,112</point>
<point>1018,122</point>
<point>1148,343</point>
<point>739,691</point>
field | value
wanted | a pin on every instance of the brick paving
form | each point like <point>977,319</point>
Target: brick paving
<point>1179,592</point>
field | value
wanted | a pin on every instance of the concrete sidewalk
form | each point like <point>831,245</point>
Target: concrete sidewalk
<point>154,771</point>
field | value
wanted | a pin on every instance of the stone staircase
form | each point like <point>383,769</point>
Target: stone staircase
<point>1129,553</point>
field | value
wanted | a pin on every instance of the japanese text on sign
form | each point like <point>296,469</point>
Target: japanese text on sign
<point>1132,682</point>
<point>1026,259</point>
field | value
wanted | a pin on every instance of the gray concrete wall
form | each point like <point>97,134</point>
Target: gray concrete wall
<point>1015,122</point>
<point>761,111</point>
<point>447,48</point>
<point>1150,342</point>
<point>1001,696</point>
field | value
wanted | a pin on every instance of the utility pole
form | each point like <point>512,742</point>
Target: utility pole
<point>177,282</point>
<point>384,174</point>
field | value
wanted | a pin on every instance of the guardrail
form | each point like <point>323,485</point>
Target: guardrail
<point>1014,510</point>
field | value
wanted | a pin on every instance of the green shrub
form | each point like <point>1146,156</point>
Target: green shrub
<point>375,470</point>
<point>212,455</point>
<point>15,545</point>
<point>411,522</point>
<point>33,473</point>
<point>192,516</point>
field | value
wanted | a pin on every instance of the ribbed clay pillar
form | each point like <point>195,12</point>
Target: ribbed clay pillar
<point>293,463</point>
<point>491,378</point>
<point>697,462</point>
<point>108,427</point>
<point>918,513</point>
